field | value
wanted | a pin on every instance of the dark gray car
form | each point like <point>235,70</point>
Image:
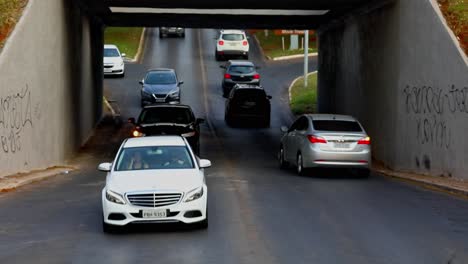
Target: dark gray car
<point>239,72</point>
<point>166,31</point>
<point>160,86</point>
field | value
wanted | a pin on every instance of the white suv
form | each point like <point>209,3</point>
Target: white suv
<point>113,61</point>
<point>232,43</point>
<point>155,179</point>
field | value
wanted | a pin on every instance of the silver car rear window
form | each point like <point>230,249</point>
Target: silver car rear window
<point>336,126</point>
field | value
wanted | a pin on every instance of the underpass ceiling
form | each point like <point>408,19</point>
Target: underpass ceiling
<point>223,14</point>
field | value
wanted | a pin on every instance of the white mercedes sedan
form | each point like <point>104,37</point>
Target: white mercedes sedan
<point>155,180</point>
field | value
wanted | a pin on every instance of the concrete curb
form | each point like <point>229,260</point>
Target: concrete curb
<point>140,48</point>
<point>451,186</point>
<point>291,57</point>
<point>13,182</point>
<point>294,82</point>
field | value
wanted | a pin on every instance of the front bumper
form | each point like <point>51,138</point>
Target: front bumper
<point>115,70</point>
<point>232,52</point>
<point>177,213</point>
<point>314,157</point>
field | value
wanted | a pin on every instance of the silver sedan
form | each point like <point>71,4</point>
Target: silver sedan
<point>324,140</point>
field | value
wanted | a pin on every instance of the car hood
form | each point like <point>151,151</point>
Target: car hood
<point>159,88</point>
<point>112,60</point>
<point>155,180</point>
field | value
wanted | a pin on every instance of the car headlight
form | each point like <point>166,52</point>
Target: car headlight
<point>194,194</point>
<point>114,197</point>
<point>189,134</point>
<point>174,93</point>
<point>145,94</point>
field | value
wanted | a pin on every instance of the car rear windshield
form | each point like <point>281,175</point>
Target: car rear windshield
<point>154,158</point>
<point>111,53</point>
<point>176,115</point>
<point>233,37</point>
<point>336,126</point>
<point>162,77</point>
<point>249,94</point>
<point>242,69</point>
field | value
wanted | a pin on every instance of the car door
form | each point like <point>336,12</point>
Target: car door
<point>288,142</point>
<point>300,138</point>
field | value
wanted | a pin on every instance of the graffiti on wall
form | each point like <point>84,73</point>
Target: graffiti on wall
<point>16,114</point>
<point>431,106</point>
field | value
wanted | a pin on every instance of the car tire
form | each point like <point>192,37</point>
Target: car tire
<point>266,121</point>
<point>182,35</point>
<point>282,163</point>
<point>217,57</point>
<point>122,75</point>
<point>161,35</point>
<point>363,173</point>
<point>109,229</point>
<point>300,167</point>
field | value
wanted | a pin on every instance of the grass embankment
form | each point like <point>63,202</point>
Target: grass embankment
<point>127,39</point>
<point>456,14</point>
<point>10,12</point>
<point>272,44</point>
<point>304,99</point>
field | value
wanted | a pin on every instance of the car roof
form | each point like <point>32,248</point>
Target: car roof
<point>241,86</point>
<point>330,117</point>
<point>167,106</point>
<point>154,141</point>
<point>108,46</point>
<point>240,62</point>
<point>160,69</point>
<point>232,31</point>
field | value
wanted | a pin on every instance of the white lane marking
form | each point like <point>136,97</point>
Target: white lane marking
<point>193,11</point>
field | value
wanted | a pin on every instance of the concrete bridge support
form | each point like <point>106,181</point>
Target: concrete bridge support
<point>400,70</point>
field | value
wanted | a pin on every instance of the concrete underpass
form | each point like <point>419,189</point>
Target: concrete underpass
<point>404,76</point>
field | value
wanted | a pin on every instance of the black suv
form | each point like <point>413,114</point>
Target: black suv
<point>168,119</point>
<point>160,86</point>
<point>238,71</point>
<point>248,102</point>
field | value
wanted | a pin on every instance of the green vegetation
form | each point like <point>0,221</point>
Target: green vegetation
<point>10,12</point>
<point>273,47</point>
<point>126,39</point>
<point>456,14</point>
<point>304,99</point>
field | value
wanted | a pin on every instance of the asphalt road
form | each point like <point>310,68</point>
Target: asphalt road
<point>258,213</point>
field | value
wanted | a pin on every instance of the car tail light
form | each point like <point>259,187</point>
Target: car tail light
<point>314,139</point>
<point>245,43</point>
<point>227,76</point>
<point>364,141</point>
<point>256,76</point>
<point>221,42</point>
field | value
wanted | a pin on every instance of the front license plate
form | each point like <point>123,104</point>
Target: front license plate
<point>342,145</point>
<point>160,100</point>
<point>107,70</point>
<point>154,213</point>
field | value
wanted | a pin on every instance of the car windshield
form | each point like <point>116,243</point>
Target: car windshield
<point>336,126</point>
<point>111,53</point>
<point>161,77</point>
<point>233,37</point>
<point>249,94</point>
<point>154,158</point>
<point>177,115</point>
<point>242,69</point>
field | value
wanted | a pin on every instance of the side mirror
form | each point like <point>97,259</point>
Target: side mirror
<point>222,66</point>
<point>200,121</point>
<point>257,67</point>
<point>181,82</point>
<point>142,82</point>
<point>204,163</point>
<point>123,55</point>
<point>269,97</point>
<point>131,120</point>
<point>105,167</point>
<point>284,129</point>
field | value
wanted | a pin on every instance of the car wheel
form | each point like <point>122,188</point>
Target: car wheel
<point>283,164</point>
<point>109,229</point>
<point>122,75</point>
<point>217,57</point>
<point>363,173</point>
<point>142,104</point>
<point>161,35</point>
<point>266,121</point>
<point>300,167</point>
<point>246,57</point>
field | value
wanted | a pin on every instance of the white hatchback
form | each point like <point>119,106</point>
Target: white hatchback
<point>113,61</point>
<point>155,180</point>
<point>232,43</point>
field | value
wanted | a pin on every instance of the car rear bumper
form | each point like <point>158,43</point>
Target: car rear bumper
<point>316,158</point>
<point>228,83</point>
<point>232,52</point>
<point>182,212</point>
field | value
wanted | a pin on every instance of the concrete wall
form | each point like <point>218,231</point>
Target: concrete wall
<point>400,70</point>
<point>49,97</point>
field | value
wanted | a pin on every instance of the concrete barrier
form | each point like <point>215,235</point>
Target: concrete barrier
<point>400,70</point>
<point>49,96</point>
